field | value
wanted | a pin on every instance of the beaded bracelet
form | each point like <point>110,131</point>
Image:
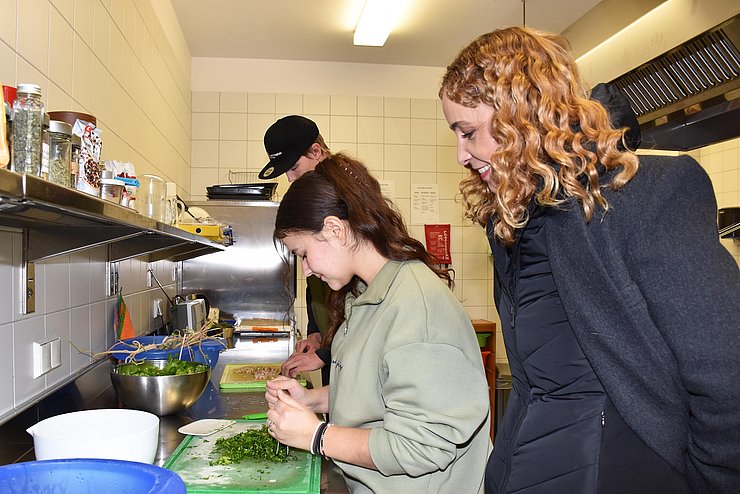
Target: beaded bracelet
<point>316,438</point>
<point>321,439</point>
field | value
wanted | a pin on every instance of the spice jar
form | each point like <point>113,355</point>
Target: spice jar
<point>60,152</point>
<point>45,147</point>
<point>8,116</point>
<point>111,189</point>
<point>28,120</point>
<point>74,160</point>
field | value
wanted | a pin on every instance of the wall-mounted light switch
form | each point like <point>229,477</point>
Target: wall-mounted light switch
<point>56,353</point>
<point>47,355</point>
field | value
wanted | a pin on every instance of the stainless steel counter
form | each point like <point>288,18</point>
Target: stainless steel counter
<point>214,403</point>
<point>217,403</point>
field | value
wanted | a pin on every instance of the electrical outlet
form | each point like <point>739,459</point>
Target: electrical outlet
<point>156,308</point>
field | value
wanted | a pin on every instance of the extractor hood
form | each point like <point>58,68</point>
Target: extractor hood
<point>689,97</point>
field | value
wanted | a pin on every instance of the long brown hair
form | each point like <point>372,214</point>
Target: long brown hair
<point>343,187</point>
<point>552,140</point>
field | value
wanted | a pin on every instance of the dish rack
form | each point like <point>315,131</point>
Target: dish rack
<point>243,186</point>
<point>243,177</point>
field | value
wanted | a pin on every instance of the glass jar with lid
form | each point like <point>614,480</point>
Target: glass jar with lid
<point>74,160</point>
<point>60,151</point>
<point>45,147</point>
<point>28,121</point>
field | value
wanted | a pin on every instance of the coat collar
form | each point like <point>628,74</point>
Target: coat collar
<point>376,292</point>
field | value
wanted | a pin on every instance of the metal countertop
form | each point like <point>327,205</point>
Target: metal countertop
<point>214,403</point>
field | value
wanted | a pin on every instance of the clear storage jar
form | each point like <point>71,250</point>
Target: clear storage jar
<point>60,152</point>
<point>28,121</point>
<point>45,147</point>
<point>74,160</point>
<point>111,189</point>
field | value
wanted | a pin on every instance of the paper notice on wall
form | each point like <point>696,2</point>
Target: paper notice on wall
<point>424,204</point>
<point>388,188</point>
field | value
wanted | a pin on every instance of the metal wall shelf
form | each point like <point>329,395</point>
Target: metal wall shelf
<point>58,220</point>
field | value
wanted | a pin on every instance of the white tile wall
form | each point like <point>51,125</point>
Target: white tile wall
<point>7,392</point>
<point>110,59</point>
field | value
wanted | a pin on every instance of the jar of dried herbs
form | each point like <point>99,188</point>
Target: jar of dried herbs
<point>60,151</point>
<point>28,120</point>
<point>45,147</point>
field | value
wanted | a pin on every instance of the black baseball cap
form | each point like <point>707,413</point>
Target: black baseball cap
<point>285,142</point>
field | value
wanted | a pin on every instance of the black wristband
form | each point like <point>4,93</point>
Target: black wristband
<point>315,446</point>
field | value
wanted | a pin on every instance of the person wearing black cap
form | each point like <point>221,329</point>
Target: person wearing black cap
<point>295,146</point>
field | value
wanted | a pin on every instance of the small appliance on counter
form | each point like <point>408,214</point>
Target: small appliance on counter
<point>189,314</point>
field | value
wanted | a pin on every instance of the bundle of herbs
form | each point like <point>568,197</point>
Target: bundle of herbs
<point>253,444</point>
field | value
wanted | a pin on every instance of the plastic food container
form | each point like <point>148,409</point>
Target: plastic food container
<point>207,352</point>
<point>108,433</point>
<point>76,476</point>
<point>111,189</point>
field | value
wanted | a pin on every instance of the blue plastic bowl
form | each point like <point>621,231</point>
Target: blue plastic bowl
<point>206,352</point>
<point>88,476</point>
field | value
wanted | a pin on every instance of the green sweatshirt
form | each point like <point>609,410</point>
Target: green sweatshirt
<point>406,364</point>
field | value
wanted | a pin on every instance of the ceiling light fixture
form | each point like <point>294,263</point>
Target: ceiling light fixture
<point>377,20</point>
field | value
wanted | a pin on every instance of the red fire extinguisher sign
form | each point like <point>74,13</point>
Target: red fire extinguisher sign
<point>438,242</point>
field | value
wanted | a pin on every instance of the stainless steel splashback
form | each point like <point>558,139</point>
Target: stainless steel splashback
<point>249,279</point>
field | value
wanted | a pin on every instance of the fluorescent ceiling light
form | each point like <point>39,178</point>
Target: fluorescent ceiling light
<point>377,20</point>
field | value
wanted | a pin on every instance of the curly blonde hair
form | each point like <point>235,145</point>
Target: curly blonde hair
<point>553,142</point>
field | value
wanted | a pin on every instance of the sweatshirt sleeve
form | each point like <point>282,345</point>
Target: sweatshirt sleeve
<point>436,399</point>
<point>692,285</point>
<point>312,327</point>
<point>324,353</point>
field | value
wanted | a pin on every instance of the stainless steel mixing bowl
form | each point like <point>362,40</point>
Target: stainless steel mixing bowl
<point>161,395</point>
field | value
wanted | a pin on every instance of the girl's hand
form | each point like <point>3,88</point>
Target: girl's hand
<point>290,386</point>
<point>290,422</point>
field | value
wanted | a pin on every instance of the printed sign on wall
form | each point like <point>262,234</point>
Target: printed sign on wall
<point>438,242</point>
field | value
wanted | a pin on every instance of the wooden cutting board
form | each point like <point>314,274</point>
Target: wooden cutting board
<point>191,461</point>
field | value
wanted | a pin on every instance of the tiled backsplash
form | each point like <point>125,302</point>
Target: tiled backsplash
<point>71,305</point>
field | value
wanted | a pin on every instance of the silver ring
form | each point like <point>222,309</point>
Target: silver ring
<point>269,423</point>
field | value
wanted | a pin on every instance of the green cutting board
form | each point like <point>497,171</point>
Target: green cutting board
<point>240,376</point>
<point>192,457</point>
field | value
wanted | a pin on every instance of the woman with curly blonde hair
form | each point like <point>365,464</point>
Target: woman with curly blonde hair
<point>618,304</point>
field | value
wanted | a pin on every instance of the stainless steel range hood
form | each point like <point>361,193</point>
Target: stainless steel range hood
<point>689,97</point>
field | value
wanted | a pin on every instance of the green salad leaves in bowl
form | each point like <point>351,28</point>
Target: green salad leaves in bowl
<point>162,387</point>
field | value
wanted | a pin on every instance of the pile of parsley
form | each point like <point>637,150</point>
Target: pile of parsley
<point>252,444</point>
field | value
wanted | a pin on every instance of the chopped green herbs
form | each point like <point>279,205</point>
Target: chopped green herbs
<point>253,444</point>
<point>173,367</point>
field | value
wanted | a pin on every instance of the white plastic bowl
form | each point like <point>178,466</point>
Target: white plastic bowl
<point>115,434</point>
